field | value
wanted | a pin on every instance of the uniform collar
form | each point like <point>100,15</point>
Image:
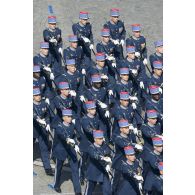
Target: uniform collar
<point>124,82</point>
<point>129,59</point>
<point>90,115</point>
<point>73,49</point>
<point>52,30</point>
<point>95,89</point>
<point>150,125</point>
<point>135,38</point>
<point>129,163</point>
<point>34,79</point>
<point>36,103</point>
<point>42,55</point>
<point>97,145</point>
<point>66,124</point>
<point>63,97</point>
<point>158,54</point>
<point>123,107</point>
<point>98,67</point>
<point>155,76</point>
<point>157,153</point>
<point>155,101</point>
<point>123,135</point>
<point>70,73</point>
<point>81,25</point>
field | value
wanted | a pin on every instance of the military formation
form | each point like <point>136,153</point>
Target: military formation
<point>104,116</point>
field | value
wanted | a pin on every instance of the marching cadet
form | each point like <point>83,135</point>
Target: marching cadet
<point>151,129</point>
<point>132,174</point>
<point>52,35</point>
<point>117,32</point>
<point>158,55</point>
<point>41,127</point>
<point>99,168</point>
<point>153,158</point>
<point>65,146</point>
<point>48,64</point>
<point>83,30</point>
<point>139,42</point>
<point>125,138</point>
<point>75,52</point>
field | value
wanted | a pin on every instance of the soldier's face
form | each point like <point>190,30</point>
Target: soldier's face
<point>99,141</point>
<point>67,119</point>
<point>92,111</point>
<point>160,49</point>
<point>97,85</point>
<point>64,92</point>
<point>83,21</point>
<point>114,19</point>
<point>124,103</point>
<point>156,96</point>
<point>158,72</point>
<point>52,26</point>
<point>125,130</point>
<point>44,51</point>
<point>71,68</point>
<point>101,63</point>
<point>137,34</point>
<point>131,55</point>
<point>124,77</point>
<point>36,75</point>
<point>106,39</point>
<point>152,120</point>
<point>158,148</point>
<point>37,98</point>
<point>74,44</point>
<point>130,158</point>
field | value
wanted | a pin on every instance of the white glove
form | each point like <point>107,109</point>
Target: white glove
<point>85,39</point>
<point>51,76</point>
<point>135,131</point>
<point>110,58</point>
<point>133,98</point>
<point>145,62</point>
<point>41,121</point>
<point>82,98</point>
<point>134,71</point>
<point>116,42</point>
<point>60,50</point>
<point>83,71</point>
<point>73,121</point>
<point>140,186</point>
<point>70,141</point>
<point>102,105</point>
<point>114,64</point>
<point>131,127</point>
<point>139,147</point>
<point>137,54</point>
<point>48,128</point>
<point>160,90</point>
<point>139,178</point>
<point>91,46</point>
<point>107,114</point>
<point>52,40</point>
<point>134,106</point>
<point>47,101</point>
<point>108,168</point>
<point>141,84</point>
<point>104,76</point>
<point>122,42</point>
<point>107,159</point>
<point>47,69</point>
<point>77,149</point>
<point>110,92</point>
<point>72,93</point>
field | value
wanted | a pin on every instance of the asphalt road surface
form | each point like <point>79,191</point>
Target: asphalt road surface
<point>149,13</point>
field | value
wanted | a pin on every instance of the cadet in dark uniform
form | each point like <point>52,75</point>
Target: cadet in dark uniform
<point>99,165</point>
<point>65,146</point>
<point>52,35</point>
<point>41,126</point>
<point>117,32</point>
<point>158,55</point>
<point>83,30</point>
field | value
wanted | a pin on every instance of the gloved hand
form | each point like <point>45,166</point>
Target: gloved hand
<point>85,39</point>
<point>102,105</point>
<point>116,42</point>
<point>135,131</point>
<point>113,64</point>
<point>72,93</point>
<point>47,101</point>
<point>107,114</point>
<point>131,127</point>
<point>51,76</point>
<point>91,46</point>
<point>141,84</point>
<point>145,62</point>
<point>134,71</point>
<point>110,58</point>
<point>47,69</point>
<point>110,92</point>
<point>41,121</point>
<point>60,50</point>
<point>139,147</point>
<point>104,76</point>
<point>82,98</point>
<point>53,40</point>
<point>134,106</point>
<point>137,54</point>
<point>107,159</point>
<point>138,177</point>
<point>140,186</point>
<point>108,168</point>
<point>83,71</point>
<point>133,98</point>
<point>70,141</point>
<point>73,121</point>
<point>160,90</point>
<point>122,42</point>
<point>48,127</point>
<point>77,149</point>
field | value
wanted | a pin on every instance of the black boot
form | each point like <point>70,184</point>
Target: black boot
<point>58,190</point>
<point>49,172</point>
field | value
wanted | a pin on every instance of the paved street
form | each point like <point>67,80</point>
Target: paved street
<point>149,13</point>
